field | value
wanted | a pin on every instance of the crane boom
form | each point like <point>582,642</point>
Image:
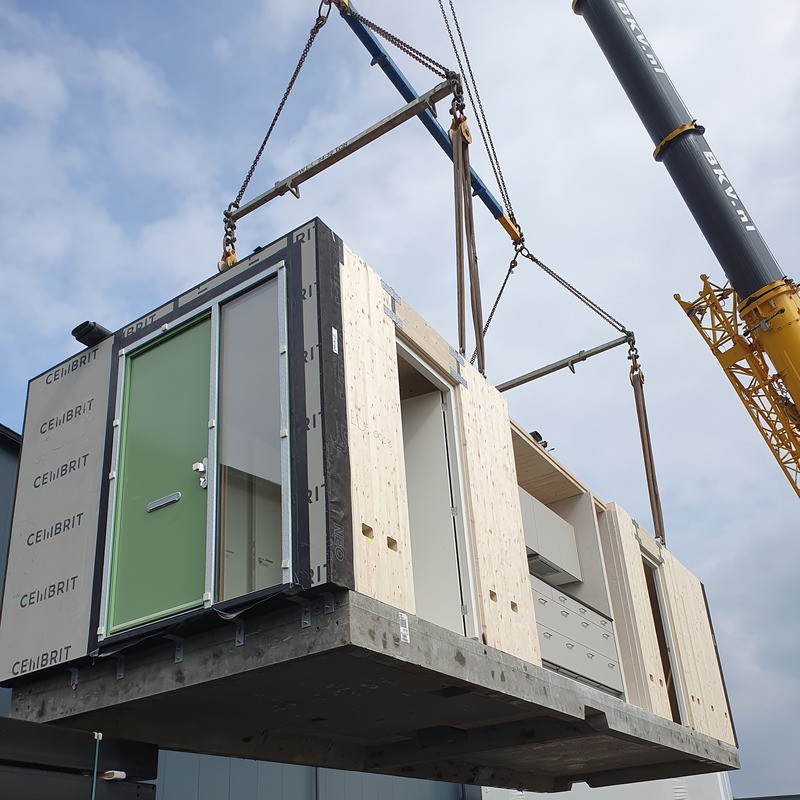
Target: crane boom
<point>766,302</point>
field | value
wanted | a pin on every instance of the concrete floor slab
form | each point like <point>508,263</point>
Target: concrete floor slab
<point>338,683</point>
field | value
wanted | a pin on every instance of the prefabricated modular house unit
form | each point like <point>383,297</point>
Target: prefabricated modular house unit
<point>279,517</point>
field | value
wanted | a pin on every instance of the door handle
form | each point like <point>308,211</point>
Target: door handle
<point>202,468</point>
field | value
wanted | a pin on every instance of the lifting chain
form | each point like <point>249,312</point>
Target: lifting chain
<point>461,138</point>
<point>520,249</point>
<point>418,56</point>
<point>229,238</point>
<point>636,377</point>
<point>602,313</point>
<point>511,267</point>
<point>637,382</point>
<point>477,105</point>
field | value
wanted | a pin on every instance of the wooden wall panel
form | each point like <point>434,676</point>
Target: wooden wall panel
<point>693,640</point>
<point>424,340</point>
<point>381,536</point>
<point>633,618</point>
<point>504,591</point>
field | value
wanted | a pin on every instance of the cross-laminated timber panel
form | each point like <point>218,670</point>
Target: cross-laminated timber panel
<point>704,690</point>
<point>698,679</point>
<point>375,320</point>
<point>381,535</point>
<point>506,600</point>
<point>645,682</point>
<point>538,473</point>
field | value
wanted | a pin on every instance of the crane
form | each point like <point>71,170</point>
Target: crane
<point>751,323</point>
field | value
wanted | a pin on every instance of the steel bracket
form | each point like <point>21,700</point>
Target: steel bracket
<point>240,637</point>
<point>178,646</point>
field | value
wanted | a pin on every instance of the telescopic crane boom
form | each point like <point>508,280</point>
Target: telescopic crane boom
<point>761,327</point>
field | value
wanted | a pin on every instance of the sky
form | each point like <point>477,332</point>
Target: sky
<point>127,128</point>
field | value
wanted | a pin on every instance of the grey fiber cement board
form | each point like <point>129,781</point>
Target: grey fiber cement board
<point>347,692</point>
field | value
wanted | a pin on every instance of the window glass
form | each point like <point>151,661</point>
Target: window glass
<point>249,443</point>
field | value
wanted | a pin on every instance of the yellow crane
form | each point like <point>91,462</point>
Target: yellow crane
<point>751,323</point>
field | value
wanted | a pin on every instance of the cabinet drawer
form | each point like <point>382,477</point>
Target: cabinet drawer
<point>569,654</point>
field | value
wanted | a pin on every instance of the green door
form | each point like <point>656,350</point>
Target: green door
<point>159,552</point>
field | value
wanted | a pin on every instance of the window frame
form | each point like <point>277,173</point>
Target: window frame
<point>211,306</point>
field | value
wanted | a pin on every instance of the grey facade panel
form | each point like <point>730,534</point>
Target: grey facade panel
<point>178,776</point>
<point>214,778</point>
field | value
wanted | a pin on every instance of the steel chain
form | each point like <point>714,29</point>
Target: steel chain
<point>477,105</point>
<point>229,240</point>
<point>511,267</point>
<point>520,249</point>
<point>418,56</point>
<point>602,313</point>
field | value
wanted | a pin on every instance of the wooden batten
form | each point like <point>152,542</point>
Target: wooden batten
<point>381,534</point>
<point>645,682</point>
<point>706,701</point>
<point>506,601</point>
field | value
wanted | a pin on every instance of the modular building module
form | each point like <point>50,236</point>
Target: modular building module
<point>279,517</point>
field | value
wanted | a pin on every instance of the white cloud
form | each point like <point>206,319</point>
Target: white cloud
<point>31,83</point>
<point>133,85</point>
<point>222,49</point>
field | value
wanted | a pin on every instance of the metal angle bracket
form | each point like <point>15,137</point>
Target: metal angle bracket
<point>120,667</point>
<point>390,291</point>
<point>330,603</point>
<point>73,678</point>
<point>178,646</point>
<point>305,610</point>
<point>458,378</point>
<point>393,317</point>
<point>240,636</point>
<point>457,356</point>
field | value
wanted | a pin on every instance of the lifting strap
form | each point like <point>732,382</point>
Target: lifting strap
<point>465,230</point>
<point>637,382</point>
<point>520,249</point>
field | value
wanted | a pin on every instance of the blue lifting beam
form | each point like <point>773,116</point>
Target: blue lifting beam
<point>383,60</point>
